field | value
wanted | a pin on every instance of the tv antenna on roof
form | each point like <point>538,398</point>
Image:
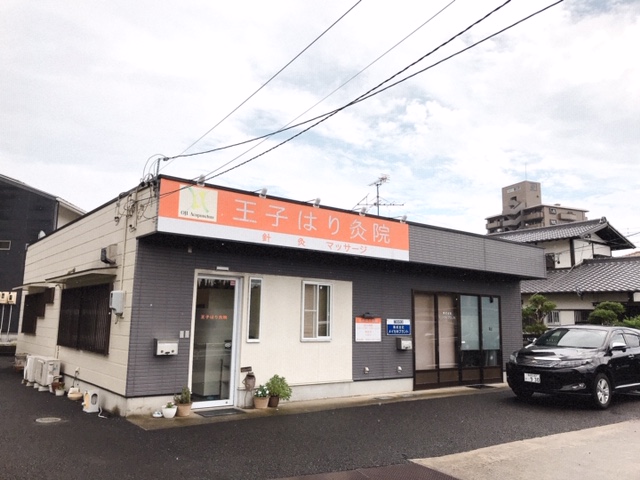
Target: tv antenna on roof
<point>383,178</point>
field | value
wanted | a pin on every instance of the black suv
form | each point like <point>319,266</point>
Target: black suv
<point>578,359</point>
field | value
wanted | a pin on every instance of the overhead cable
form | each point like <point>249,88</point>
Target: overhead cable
<point>270,79</point>
<point>372,92</point>
<point>377,89</point>
<point>264,139</point>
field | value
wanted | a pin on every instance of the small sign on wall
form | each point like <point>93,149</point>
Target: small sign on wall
<point>397,326</point>
<point>368,329</point>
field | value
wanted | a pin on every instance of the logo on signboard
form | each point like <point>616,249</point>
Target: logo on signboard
<point>198,203</point>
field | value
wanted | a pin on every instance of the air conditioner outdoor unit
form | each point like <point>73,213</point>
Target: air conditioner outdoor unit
<point>46,370</point>
<point>30,370</point>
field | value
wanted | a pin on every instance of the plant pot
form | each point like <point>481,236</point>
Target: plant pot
<point>274,401</point>
<point>74,394</point>
<point>260,402</point>
<point>169,412</point>
<point>184,410</point>
<point>59,392</point>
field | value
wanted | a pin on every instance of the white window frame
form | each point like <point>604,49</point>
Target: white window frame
<point>553,318</point>
<point>254,340</point>
<point>5,244</point>
<point>314,310</point>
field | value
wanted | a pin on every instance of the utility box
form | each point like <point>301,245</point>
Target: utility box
<point>116,302</point>
<point>404,344</point>
<point>166,347</point>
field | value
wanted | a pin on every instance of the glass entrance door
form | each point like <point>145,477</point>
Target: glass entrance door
<point>457,339</point>
<point>212,382</point>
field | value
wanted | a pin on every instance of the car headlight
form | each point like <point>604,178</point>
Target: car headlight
<point>513,358</point>
<point>572,363</point>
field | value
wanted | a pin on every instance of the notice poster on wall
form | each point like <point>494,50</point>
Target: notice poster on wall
<point>368,329</point>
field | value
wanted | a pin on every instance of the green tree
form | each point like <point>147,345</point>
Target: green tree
<point>537,309</point>
<point>632,322</point>
<point>534,313</point>
<point>606,313</point>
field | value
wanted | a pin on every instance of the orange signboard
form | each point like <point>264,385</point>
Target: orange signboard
<point>206,211</point>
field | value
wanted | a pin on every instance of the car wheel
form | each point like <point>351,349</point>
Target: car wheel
<point>522,394</point>
<point>601,391</point>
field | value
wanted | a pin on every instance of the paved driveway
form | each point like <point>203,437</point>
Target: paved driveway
<point>83,445</point>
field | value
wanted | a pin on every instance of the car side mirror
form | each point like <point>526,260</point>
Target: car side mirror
<point>618,346</point>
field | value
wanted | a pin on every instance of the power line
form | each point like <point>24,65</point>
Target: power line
<point>272,77</point>
<point>264,138</point>
<point>374,91</point>
<point>371,92</point>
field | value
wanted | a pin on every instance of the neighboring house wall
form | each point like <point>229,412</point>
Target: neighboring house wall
<point>567,304</point>
<point>23,214</point>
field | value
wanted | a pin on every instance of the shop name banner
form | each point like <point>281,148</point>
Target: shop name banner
<point>208,212</point>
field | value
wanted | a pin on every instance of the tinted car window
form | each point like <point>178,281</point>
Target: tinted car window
<point>572,338</point>
<point>632,340</point>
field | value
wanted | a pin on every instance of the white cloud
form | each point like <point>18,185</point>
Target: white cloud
<point>90,92</point>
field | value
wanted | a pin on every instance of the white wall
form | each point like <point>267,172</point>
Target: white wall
<point>77,248</point>
<point>281,350</point>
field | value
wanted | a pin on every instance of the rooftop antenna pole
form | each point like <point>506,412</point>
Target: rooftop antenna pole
<point>384,178</point>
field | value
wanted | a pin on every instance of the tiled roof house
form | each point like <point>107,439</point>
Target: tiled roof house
<point>581,271</point>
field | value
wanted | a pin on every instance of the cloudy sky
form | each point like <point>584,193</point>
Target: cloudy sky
<point>93,94</point>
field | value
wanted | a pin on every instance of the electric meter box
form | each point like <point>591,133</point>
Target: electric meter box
<point>166,347</point>
<point>116,302</point>
<point>404,344</point>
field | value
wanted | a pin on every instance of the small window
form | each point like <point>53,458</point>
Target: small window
<point>553,222</point>
<point>553,318</point>
<point>553,210</point>
<point>255,296</point>
<point>34,306</point>
<point>5,244</point>
<point>316,311</point>
<point>85,318</point>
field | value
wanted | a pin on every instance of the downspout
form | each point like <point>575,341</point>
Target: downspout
<point>573,253</point>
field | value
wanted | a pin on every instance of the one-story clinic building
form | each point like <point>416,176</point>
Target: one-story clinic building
<point>176,283</point>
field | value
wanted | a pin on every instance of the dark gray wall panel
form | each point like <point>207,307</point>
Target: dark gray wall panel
<point>450,248</point>
<point>24,212</point>
<point>163,290</point>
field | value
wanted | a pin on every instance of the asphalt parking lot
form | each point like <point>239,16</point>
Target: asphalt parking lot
<point>460,433</point>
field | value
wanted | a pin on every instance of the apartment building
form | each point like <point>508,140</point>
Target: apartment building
<point>522,208</point>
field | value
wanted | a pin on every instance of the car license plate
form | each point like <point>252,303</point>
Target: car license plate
<point>532,377</point>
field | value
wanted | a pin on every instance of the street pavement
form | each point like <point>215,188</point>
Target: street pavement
<point>460,433</point>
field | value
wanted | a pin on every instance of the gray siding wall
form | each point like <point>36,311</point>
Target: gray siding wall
<point>450,248</point>
<point>163,292</point>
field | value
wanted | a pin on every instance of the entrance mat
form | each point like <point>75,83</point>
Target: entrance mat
<point>480,385</point>
<point>219,412</point>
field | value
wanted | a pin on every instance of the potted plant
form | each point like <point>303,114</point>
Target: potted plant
<point>261,397</point>
<point>183,400</point>
<point>59,390</point>
<point>169,410</point>
<point>278,389</point>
